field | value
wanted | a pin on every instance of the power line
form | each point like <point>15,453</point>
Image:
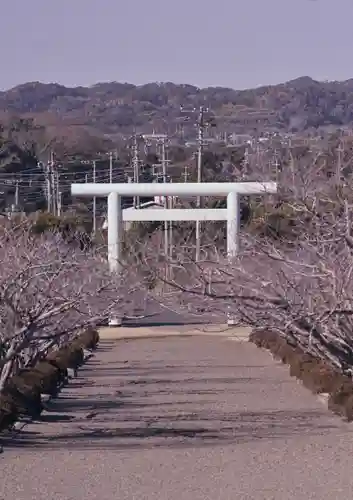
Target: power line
<point>110,167</point>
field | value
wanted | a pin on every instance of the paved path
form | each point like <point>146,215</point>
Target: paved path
<point>181,418</point>
<point>220,329</point>
<point>154,314</point>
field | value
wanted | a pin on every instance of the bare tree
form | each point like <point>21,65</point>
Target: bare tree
<point>49,291</point>
<point>300,287</point>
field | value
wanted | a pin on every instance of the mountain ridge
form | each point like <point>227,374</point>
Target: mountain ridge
<point>109,111</point>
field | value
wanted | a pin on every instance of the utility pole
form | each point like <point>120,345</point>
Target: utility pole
<point>136,167</point>
<point>48,183</point>
<point>110,167</point>
<point>166,223</point>
<point>94,200</point>
<point>59,203</point>
<point>164,161</point>
<point>16,196</point>
<point>155,174</point>
<point>258,154</point>
<point>52,184</point>
<point>201,127</point>
<point>186,174</point>
<point>245,163</point>
<point>51,188</point>
<point>58,194</point>
<point>277,167</point>
<point>201,124</point>
<point>340,152</point>
<point>171,205</point>
<point>161,141</point>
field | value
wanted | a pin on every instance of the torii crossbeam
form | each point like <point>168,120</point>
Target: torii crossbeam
<point>114,192</point>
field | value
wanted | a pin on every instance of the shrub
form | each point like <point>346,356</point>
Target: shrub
<point>21,395</point>
<point>316,374</point>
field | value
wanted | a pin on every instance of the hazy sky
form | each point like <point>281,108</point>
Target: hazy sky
<point>234,43</point>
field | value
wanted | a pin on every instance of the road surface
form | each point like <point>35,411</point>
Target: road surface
<point>189,418</point>
<point>157,315</point>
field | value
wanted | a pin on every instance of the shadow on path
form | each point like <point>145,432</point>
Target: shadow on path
<point>184,400</point>
<point>238,428</point>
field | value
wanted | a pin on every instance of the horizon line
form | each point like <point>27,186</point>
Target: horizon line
<point>166,82</point>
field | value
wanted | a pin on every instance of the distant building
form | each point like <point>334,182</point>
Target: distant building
<point>240,139</point>
<point>149,204</point>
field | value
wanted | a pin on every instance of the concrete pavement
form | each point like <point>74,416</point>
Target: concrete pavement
<point>197,417</point>
<point>221,330</point>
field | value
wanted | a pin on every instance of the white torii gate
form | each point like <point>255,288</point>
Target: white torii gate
<point>116,216</point>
